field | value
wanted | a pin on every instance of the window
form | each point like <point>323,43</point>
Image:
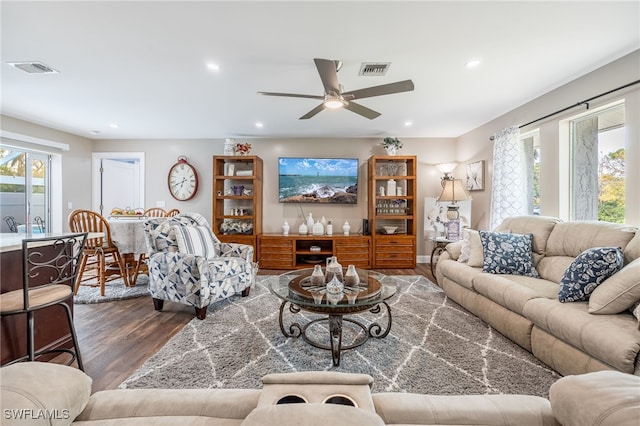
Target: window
<point>24,189</point>
<point>531,143</point>
<point>597,180</point>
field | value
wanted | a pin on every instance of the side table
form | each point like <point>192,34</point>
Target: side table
<point>439,244</point>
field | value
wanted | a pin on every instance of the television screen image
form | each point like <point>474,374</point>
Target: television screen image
<point>318,180</point>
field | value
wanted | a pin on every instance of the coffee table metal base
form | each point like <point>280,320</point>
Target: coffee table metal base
<point>334,322</point>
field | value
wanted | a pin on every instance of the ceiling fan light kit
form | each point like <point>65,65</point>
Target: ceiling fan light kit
<point>334,97</point>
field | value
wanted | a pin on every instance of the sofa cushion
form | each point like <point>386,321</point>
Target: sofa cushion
<point>587,271</point>
<point>506,253</point>
<point>398,408</point>
<point>196,240</point>
<point>612,339</point>
<point>600,398</point>
<point>471,250</point>
<point>632,250</point>
<point>572,238</point>
<point>40,388</point>
<point>459,272</point>
<point>619,292</point>
<point>513,291</point>
<point>552,268</point>
<point>539,226</point>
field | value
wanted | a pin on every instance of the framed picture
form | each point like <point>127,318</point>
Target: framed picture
<point>475,176</point>
<point>435,217</point>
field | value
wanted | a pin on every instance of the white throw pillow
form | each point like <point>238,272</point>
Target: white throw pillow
<point>465,248</point>
<point>196,240</point>
<point>471,251</point>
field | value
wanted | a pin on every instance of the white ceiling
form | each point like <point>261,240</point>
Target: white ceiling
<point>142,64</point>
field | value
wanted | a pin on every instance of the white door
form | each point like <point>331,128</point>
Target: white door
<point>118,181</point>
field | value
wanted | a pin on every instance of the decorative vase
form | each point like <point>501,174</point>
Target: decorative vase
<point>229,146</point>
<point>391,150</point>
<point>318,229</point>
<point>351,278</point>
<point>302,229</point>
<point>317,277</point>
<point>333,270</point>
<point>391,188</point>
<point>310,222</point>
<point>335,286</point>
<point>323,221</point>
<point>329,228</point>
<point>285,228</point>
<point>346,227</point>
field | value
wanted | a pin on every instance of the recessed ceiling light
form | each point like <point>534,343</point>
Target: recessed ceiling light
<point>408,123</point>
<point>95,132</point>
<point>259,124</point>
<point>472,63</point>
<point>114,125</point>
<point>213,67</point>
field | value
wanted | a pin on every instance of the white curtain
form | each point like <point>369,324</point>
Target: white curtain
<point>510,184</point>
<point>585,170</point>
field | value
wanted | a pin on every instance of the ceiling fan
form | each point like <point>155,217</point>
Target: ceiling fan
<point>334,97</point>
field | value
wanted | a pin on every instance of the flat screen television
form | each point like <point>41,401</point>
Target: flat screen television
<point>318,180</point>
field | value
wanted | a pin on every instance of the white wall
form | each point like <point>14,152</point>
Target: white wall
<point>160,155</point>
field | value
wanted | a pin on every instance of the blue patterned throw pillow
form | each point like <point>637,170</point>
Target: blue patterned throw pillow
<point>588,271</point>
<point>506,253</point>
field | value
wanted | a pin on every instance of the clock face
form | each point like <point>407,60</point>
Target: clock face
<point>183,181</point>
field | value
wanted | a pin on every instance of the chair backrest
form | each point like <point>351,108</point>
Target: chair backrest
<point>159,232</point>
<point>91,222</point>
<point>173,212</point>
<point>50,261</point>
<point>11,223</point>
<point>155,212</point>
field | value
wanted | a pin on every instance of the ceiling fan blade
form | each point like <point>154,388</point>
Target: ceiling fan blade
<point>384,89</point>
<point>313,112</point>
<point>362,110</point>
<point>290,95</point>
<point>328,75</point>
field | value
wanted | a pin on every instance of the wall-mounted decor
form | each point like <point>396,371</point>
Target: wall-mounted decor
<point>318,180</point>
<point>475,176</point>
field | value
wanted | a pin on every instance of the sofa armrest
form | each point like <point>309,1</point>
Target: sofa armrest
<point>601,398</point>
<point>244,251</point>
<point>44,393</point>
<point>454,249</point>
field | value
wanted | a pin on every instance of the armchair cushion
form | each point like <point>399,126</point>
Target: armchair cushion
<point>196,240</point>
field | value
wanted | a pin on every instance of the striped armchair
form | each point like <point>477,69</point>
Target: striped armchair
<point>189,265</point>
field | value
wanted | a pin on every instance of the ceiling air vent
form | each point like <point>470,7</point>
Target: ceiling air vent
<point>33,67</point>
<point>374,68</point>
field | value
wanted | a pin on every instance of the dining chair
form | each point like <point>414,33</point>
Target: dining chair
<point>101,260</point>
<point>39,223</point>
<point>11,223</point>
<point>50,267</point>
<point>173,212</point>
<point>155,212</point>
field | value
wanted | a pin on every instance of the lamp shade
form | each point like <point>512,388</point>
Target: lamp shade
<point>453,191</point>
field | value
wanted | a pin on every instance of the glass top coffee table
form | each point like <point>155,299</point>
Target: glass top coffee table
<point>296,290</point>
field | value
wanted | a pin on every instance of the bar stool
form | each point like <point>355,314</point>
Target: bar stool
<point>50,268</point>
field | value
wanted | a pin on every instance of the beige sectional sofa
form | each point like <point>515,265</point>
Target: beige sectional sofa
<point>35,393</point>
<point>572,337</point>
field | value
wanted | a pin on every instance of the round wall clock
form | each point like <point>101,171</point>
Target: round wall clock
<point>183,180</point>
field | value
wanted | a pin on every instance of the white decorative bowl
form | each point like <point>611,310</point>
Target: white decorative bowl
<point>389,229</point>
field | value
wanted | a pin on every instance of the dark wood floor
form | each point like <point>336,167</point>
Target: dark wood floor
<point>116,338</point>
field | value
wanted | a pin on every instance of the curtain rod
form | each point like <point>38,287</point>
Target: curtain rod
<point>585,102</point>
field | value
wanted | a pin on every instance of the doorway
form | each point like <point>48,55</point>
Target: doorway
<point>118,181</point>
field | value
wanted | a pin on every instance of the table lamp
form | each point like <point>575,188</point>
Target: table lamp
<point>453,191</point>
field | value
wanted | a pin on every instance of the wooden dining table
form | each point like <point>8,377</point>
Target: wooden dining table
<point>127,233</point>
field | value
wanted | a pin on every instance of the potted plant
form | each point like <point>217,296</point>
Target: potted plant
<point>391,145</point>
<point>243,148</point>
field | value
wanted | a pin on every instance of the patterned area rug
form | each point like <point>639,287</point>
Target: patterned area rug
<point>435,346</point>
<point>114,290</point>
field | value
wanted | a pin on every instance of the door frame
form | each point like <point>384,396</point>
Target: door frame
<point>96,161</point>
